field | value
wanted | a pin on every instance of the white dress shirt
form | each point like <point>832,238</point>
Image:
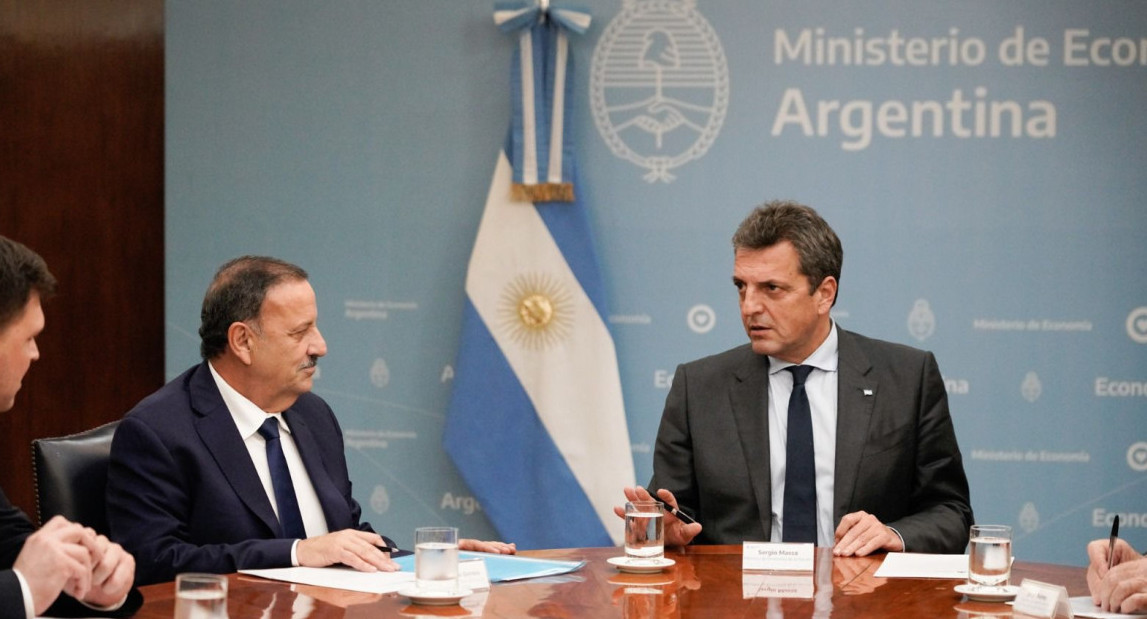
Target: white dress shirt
<point>821,387</point>
<point>248,417</point>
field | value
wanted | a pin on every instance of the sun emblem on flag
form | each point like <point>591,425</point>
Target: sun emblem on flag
<point>536,311</point>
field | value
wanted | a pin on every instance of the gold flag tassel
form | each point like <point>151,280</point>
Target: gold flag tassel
<point>542,192</point>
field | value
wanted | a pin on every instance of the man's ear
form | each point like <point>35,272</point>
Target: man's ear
<point>241,341</point>
<point>827,293</point>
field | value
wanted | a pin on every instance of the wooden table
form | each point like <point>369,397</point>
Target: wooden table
<point>707,581</point>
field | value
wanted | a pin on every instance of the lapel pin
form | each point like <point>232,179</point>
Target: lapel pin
<point>867,392</point>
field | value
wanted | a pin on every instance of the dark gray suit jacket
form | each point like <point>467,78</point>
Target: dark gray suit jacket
<point>896,452</point>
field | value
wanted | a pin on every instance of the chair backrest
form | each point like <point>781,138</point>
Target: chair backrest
<point>71,474</point>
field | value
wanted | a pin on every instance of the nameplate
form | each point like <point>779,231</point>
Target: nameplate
<point>778,557</point>
<point>1040,599</point>
<point>472,574</point>
<point>767,585</point>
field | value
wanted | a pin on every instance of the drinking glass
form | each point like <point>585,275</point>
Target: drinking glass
<point>990,555</point>
<point>644,530</point>
<point>436,559</point>
<point>200,596</point>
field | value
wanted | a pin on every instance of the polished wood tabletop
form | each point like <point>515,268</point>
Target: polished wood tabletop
<point>707,581</point>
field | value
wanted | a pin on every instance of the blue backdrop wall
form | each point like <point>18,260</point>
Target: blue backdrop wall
<point>982,162</point>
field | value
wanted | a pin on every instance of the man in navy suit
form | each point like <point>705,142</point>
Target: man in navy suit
<point>64,568</point>
<point>884,471</point>
<point>190,486</point>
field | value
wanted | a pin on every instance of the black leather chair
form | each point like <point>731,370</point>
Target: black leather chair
<point>71,474</point>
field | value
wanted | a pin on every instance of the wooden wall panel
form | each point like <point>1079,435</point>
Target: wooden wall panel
<point>81,182</point>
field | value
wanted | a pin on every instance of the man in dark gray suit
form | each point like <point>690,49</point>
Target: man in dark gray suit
<point>887,469</point>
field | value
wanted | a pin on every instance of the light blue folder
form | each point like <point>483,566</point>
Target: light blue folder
<point>502,568</point>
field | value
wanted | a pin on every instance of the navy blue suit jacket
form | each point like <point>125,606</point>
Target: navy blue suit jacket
<point>183,494</point>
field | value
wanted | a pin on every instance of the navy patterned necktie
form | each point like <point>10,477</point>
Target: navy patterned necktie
<point>290,518</point>
<point>799,518</point>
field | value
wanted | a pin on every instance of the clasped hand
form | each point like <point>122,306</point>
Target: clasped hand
<point>67,557</point>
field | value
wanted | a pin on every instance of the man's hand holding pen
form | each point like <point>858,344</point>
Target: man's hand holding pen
<point>680,528</point>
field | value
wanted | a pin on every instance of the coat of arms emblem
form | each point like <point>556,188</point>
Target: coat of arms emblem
<point>659,85</point>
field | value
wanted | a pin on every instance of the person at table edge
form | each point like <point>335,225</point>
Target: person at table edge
<point>63,569</point>
<point>888,471</point>
<point>1123,588</point>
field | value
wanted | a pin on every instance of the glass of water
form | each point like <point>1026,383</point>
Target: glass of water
<point>436,559</point>
<point>644,530</point>
<point>200,596</point>
<point>990,555</point>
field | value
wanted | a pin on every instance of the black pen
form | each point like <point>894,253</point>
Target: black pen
<point>1111,543</point>
<point>682,516</point>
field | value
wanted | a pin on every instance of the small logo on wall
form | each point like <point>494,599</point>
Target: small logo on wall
<point>921,320</point>
<point>1137,325</point>
<point>701,318</point>
<point>1029,517</point>
<point>380,373</point>
<point>659,85</point>
<point>380,500</point>
<point>1031,388</point>
<point>1137,456</point>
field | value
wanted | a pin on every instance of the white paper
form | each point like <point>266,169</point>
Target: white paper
<point>921,565</point>
<point>1084,607</point>
<point>338,578</point>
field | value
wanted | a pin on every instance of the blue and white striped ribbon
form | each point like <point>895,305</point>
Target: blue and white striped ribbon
<point>541,76</point>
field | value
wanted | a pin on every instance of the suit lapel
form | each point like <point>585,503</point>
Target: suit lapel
<point>856,396</point>
<point>749,399</point>
<point>217,430</point>
<point>310,451</point>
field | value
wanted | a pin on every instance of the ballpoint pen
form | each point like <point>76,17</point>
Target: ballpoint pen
<point>682,516</point>
<point>1111,543</point>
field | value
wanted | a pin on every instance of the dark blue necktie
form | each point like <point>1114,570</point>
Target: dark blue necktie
<point>290,517</point>
<point>799,518</point>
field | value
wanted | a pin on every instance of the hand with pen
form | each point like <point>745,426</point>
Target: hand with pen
<point>1122,587</point>
<point>680,529</point>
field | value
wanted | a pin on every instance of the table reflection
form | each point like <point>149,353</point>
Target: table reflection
<point>704,582</point>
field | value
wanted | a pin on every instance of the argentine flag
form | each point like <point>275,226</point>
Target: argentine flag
<point>536,423</point>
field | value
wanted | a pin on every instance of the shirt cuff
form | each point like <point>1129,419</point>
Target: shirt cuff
<point>903,546</point>
<point>115,606</point>
<point>29,605</point>
<point>295,554</point>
